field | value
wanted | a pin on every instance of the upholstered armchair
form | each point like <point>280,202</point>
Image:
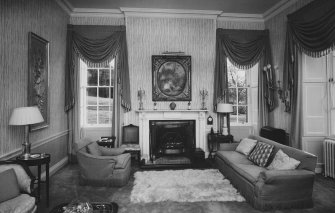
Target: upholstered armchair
<point>101,166</point>
<point>16,183</point>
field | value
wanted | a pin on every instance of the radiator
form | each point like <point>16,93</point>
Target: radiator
<point>329,157</point>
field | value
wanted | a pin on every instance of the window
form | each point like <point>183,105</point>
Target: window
<point>97,92</point>
<point>242,93</point>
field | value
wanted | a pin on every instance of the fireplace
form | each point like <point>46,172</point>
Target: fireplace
<point>171,139</point>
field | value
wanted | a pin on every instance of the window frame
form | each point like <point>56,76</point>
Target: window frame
<point>248,86</point>
<point>83,94</point>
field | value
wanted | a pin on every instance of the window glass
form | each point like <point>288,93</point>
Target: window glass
<point>97,102</point>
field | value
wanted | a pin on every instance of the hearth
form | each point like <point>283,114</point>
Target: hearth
<point>171,139</point>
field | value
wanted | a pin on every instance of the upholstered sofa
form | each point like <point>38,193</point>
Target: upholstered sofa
<point>267,189</point>
<point>15,188</point>
<point>101,166</point>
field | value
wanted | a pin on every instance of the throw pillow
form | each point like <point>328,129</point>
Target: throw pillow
<point>282,161</point>
<point>111,151</point>
<point>93,149</point>
<point>260,155</point>
<point>246,146</point>
<point>22,177</point>
<point>9,187</point>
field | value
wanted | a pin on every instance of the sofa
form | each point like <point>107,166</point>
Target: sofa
<point>16,184</point>
<point>265,188</point>
<point>101,166</point>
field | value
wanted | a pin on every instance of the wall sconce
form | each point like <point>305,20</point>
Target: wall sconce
<point>140,95</point>
<point>283,95</point>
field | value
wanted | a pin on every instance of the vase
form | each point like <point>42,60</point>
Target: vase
<point>172,105</point>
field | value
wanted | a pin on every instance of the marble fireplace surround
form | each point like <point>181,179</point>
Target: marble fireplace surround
<point>147,115</point>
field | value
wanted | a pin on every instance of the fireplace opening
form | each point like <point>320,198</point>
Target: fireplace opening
<point>172,141</point>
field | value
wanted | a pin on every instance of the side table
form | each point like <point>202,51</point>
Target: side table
<point>214,141</point>
<point>38,159</point>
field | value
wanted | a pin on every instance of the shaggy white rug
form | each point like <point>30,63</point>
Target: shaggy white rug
<point>183,186</point>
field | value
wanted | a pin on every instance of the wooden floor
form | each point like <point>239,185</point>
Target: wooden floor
<point>64,187</point>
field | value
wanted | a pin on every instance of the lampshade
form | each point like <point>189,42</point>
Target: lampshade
<point>224,108</point>
<point>25,116</point>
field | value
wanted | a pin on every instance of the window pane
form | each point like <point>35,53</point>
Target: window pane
<point>233,116</point>
<point>91,115</point>
<point>104,115</point>
<point>231,78</point>
<point>111,93</point>
<point>242,96</point>
<point>232,95</point>
<point>92,77</point>
<point>91,94</point>
<point>241,80</point>
<point>242,114</point>
<point>104,77</point>
<point>112,76</point>
<point>104,96</point>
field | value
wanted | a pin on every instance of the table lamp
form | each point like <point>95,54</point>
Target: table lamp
<point>25,116</point>
<point>225,109</point>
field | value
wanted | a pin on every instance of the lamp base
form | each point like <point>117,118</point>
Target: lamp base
<point>26,150</point>
<point>224,131</point>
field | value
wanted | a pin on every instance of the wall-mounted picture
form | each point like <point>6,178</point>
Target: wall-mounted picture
<point>171,78</point>
<point>38,77</point>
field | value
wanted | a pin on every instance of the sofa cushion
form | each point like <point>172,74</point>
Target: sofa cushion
<point>121,160</point>
<point>111,151</point>
<point>233,157</point>
<point>250,172</point>
<point>19,204</point>
<point>260,155</point>
<point>246,146</point>
<point>282,161</point>
<point>93,149</point>
<point>9,187</point>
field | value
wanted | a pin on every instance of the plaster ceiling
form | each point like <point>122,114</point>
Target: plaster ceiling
<point>227,6</point>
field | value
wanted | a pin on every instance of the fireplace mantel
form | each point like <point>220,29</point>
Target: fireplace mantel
<point>146,115</point>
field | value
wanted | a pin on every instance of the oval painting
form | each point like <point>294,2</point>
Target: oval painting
<point>171,78</point>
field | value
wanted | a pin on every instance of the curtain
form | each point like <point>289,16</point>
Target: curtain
<point>310,30</point>
<point>245,48</point>
<point>97,46</point>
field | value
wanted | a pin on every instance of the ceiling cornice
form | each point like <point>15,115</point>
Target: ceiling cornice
<point>170,13</point>
<point>241,17</point>
<point>174,13</point>
<point>278,8</point>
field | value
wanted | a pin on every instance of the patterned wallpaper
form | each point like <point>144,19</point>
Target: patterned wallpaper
<point>152,36</point>
<point>277,27</point>
<point>46,19</point>
<point>225,24</point>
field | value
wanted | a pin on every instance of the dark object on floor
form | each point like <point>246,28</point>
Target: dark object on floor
<point>97,207</point>
<point>278,135</point>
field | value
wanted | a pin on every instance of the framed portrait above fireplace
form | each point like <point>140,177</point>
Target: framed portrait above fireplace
<point>171,78</point>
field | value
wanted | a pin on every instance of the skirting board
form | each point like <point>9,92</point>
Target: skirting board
<point>52,170</point>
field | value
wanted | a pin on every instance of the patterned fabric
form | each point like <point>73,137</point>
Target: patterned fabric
<point>282,161</point>
<point>246,146</point>
<point>261,154</point>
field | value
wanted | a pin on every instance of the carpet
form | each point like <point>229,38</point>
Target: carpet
<point>182,186</point>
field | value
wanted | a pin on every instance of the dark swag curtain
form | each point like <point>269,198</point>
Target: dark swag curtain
<point>245,48</point>
<point>97,46</point>
<point>310,30</point>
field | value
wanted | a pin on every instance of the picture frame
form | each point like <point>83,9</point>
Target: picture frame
<point>38,77</point>
<point>171,78</point>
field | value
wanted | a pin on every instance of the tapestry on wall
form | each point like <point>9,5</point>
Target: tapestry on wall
<point>171,78</point>
<point>38,77</point>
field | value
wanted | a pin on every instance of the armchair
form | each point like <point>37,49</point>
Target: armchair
<point>101,166</point>
<point>16,183</point>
